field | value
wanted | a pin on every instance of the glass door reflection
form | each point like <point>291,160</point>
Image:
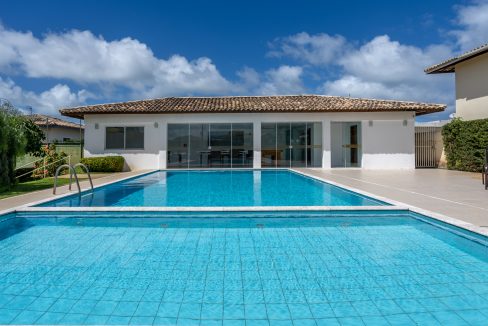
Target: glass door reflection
<point>268,144</point>
<point>199,145</point>
<point>178,140</point>
<point>283,145</point>
<point>298,141</point>
<point>242,145</point>
<point>220,145</point>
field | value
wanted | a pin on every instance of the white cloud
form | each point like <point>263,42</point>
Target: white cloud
<point>384,60</point>
<point>177,75</point>
<point>473,20</point>
<point>319,49</point>
<point>383,68</point>
<point>283,80</point>
<point>84,58</point>
<point>46,102</point>
<point>249,77</point>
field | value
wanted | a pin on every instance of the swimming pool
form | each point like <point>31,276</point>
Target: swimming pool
<point>218,189</point>
<point>301,268</point>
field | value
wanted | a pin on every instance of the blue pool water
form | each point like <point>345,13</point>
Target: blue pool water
<point>310,268</point>
<point>218,188</point>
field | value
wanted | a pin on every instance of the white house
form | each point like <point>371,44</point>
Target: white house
<point>471,74</point>
<point>57,130</point>
<point>254,131</point>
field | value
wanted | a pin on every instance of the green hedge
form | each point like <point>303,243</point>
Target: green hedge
<point>104,163</point>
<point>465,143</point>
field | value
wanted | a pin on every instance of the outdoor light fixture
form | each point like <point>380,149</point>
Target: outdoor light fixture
<point>96,125</point>
<point>405,122</point>
<point>156,125</point>
<point>370,123</point>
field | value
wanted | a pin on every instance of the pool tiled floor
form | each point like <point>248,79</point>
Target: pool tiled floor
<point>336,271</point>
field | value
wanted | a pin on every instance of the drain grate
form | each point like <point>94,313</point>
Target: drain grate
<point>164,226</point>
<point>260,226</point>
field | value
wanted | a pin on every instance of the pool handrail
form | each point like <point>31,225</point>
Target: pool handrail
<point>86,170</point>
<point>72,171</point>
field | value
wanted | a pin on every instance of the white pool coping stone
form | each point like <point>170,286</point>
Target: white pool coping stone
<point>395,205</point>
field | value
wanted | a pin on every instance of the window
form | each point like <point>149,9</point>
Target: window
<point>124,138</point>
<point>134,137</point>
<point>114,138</point>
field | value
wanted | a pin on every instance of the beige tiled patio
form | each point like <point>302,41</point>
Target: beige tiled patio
<point>455,194</point>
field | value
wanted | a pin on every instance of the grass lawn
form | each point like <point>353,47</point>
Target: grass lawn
<point>35,185</point>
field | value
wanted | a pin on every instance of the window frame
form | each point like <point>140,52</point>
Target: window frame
<point>125,138</point>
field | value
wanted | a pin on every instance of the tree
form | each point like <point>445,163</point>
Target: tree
<point>18,135</point>
<point>34,137</point>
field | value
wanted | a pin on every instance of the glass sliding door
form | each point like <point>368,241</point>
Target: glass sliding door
<point>199,145</point>
<point>178,140</point>
<point>298,142</point>
<point>346,144</point>
<point>295,144</point>
<point>242,145</point>
<point>283,145</point>
<point>220,145</point>
<point>268,144</point>
<point>314,144</point>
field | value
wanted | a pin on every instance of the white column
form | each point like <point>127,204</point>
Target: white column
<point>326,144</point>
<point>257,145</point>
<point>163,147</point>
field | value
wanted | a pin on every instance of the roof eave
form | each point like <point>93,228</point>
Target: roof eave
<point>81,115</point>
<point>449,66</point>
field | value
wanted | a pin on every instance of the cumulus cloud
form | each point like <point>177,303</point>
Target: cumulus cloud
<point>283,80</point>
<point>177,75</point>
<point>48,101</point>
<point>319,49</point>
<point>383,68</point>
<point>84,58</point>
<point>473,22</point>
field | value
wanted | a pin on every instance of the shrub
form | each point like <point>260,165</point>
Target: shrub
<point>465,143</point>
<point>104,163</point>
<point>53,160</point>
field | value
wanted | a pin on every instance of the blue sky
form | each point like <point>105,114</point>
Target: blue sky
<point>73,53</point>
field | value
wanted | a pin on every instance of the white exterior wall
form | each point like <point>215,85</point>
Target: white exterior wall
<point>58,133</point>
<point>387,144</point>
<point>472,88</point>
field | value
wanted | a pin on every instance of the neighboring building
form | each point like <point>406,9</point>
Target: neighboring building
<point>471,71</point>
<point>58,130</point>
<point>255,131</point>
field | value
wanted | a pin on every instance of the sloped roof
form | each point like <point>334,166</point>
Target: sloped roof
<point>43,120</point>
<point>449,65</point>
<point>250,104</point>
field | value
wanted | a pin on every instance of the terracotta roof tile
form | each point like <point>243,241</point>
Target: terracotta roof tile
<point>41,120</point>
<point>240,104</point>
<point>448,65</point>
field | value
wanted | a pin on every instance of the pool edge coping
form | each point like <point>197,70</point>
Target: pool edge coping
<point>427,213</point>
<point>395,205</point>
<point>54,197</point>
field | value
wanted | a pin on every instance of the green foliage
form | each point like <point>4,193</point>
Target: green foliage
<point>104,163</point>
<point>18,136</point>
<point>33,136</point>
<point>12,142</point>
<point>53,160</point>
<point>465,143</point>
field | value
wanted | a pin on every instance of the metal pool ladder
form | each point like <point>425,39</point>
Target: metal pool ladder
<point>72,171</point>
